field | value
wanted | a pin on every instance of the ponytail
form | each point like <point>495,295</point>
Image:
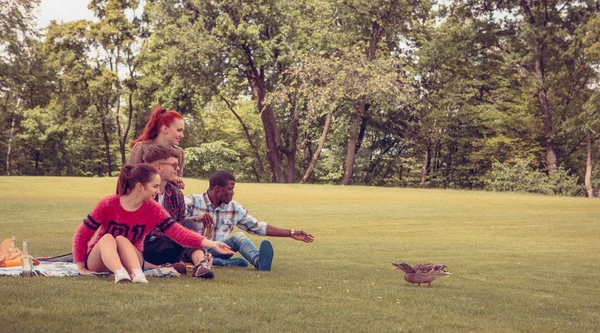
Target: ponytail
<point>133,174</point>
<point>159,117</point>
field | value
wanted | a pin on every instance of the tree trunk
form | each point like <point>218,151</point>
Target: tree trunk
<point>119,132</point>
<point>261,169</point>
<point>352,141</point>
<point>106,147</point>
<point>127,128</point>
<point>540,76</point>
<point>588,167</point>
<point>547,119</point>
<point>307,150</point>
<point>10,140</point>
<point>36,155</point>
<point>545,110</point>
<point>122,138</point>
<point>376,33</point>
<point>267,116</point>
<point>290,153</point>
<point>11,136</point>
<point>291,167</point>
<point>363,128</point>
<point>273,154</point>
<point>317,154</point>
<point>426,163</point>
<point>132,65</point>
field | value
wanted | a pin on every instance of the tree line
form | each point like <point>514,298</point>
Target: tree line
<point>468,94</point>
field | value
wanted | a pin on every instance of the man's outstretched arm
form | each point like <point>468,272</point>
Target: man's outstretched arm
<point>299,235</point>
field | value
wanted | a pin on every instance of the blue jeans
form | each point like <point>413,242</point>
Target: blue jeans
<point>239,242</point>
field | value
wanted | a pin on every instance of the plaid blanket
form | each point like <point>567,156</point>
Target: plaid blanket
<point>65,269</point>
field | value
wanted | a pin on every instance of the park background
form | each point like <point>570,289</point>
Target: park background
<point>417,104</point>
<point>500,96</point>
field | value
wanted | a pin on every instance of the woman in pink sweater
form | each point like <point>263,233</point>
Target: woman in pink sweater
<point>121,222</point>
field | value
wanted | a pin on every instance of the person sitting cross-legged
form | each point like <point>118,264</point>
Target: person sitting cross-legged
<point>159,250</point>
<point>215,210</point>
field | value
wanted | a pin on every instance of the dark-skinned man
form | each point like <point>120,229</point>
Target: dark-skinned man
<point>216,210</point>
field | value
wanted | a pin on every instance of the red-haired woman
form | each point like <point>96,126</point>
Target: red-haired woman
<point>120,222</point>
<point>165,128</point>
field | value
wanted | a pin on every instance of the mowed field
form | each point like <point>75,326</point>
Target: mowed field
<point>519,263</point>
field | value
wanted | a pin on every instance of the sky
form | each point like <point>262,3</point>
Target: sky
<point>62,10</point>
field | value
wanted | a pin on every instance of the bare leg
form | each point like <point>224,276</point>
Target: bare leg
<point>104,256</point>
<point>130,256</point>
<point>197,256</point>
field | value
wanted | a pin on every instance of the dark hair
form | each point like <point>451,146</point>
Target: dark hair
<point>133,174</point>
<point>159,117</point>
<point>220,178</point>
<point>157,152</point>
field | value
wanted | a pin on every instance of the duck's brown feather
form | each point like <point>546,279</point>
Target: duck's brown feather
<point>423,273</point>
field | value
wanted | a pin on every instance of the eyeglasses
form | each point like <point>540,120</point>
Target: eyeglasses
<point>175,165</point>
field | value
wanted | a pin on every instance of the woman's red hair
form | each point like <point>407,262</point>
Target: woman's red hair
<point>159,117</point>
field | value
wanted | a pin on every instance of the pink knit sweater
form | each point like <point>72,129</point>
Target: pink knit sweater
<point>109,217</point>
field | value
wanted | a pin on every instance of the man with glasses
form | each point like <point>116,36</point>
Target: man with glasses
<point>159,250</point>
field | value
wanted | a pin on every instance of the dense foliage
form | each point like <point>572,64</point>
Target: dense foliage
<point>468,94</point>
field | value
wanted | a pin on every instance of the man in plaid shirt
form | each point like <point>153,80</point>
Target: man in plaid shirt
<point>158,248</point>
<point>215,210</point>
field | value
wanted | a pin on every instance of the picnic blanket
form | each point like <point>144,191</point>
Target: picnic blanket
<point>66,269</point>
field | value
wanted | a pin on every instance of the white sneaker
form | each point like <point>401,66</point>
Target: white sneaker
<point>138,276</point>
<point>121,276</point>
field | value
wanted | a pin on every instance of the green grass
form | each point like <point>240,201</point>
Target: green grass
<point>519,263</point>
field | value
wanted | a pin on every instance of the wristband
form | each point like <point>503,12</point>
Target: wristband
<point>292,233</point>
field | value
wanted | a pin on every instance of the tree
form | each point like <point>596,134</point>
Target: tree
<point>537,37</point>
<point>238,48</point>
<point>591,125</point>
<point>118,38</point>
<point>325,85</point>
<point>16,40</point>
<point>86,86</point>
<point>372,22</point>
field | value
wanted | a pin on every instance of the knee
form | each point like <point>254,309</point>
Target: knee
<point>107,239</point>
<point>121,239</point>
<point>240,237</point>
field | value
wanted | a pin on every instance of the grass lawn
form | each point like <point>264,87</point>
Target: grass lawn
<point>519,262</point>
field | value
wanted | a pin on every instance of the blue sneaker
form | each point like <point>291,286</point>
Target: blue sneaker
<point>233,262</point>
<point>265,256</point>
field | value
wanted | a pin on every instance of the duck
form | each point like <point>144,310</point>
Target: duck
<point>422,273</point>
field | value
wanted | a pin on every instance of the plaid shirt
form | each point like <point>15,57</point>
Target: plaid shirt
<point>174,204</point>
<point>226,216</point>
